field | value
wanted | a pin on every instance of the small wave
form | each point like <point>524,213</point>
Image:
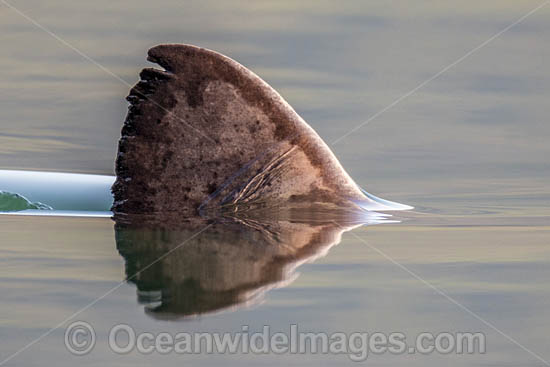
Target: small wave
<point>13,202</point>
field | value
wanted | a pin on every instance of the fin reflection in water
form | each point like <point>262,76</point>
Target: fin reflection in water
<point>229,265</point>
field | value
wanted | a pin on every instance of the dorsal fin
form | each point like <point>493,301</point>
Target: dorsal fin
<point>207,133</point>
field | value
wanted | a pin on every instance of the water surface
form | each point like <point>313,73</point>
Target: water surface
<point>469,151</point>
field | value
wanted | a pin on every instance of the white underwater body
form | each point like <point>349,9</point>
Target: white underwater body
<point>75,194</point>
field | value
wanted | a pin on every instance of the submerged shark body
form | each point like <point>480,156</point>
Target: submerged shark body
<point>206,134</point>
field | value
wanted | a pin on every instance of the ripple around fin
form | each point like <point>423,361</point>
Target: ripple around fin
<point>13,202</point>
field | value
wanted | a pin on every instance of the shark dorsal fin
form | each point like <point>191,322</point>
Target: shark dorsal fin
<point>206,133</point>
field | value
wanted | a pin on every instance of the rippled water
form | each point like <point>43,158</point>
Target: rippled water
<point>469,151</point>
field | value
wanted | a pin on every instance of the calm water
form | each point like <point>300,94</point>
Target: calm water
<point>469,150</point>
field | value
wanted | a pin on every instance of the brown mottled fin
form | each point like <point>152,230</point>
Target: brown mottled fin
<point>207,133</point>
